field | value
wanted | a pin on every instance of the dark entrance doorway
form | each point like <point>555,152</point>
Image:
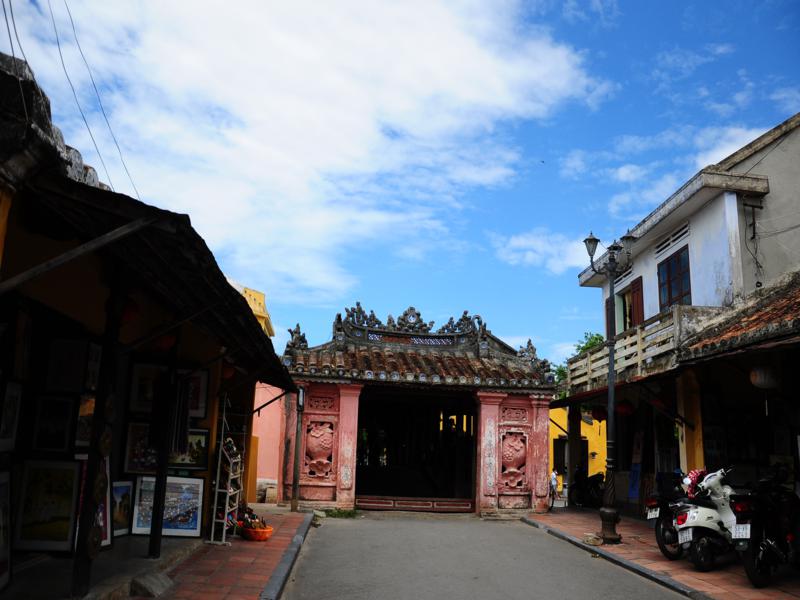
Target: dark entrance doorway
<point>416,450</point>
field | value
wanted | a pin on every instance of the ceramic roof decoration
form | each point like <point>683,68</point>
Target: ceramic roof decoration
<point>408,350</point>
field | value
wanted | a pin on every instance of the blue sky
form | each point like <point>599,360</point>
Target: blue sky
<point>449,156</point>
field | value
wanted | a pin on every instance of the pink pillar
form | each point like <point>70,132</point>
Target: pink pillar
<point>540,440</point>
<point>488,461</point>
<point>348,437</point>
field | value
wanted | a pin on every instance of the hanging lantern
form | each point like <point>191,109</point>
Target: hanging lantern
<point>228,371</point>
<point>659,403</point>
<point>624,409</point>
<point>599,413</point>
<point>131,311</point>
<point>165,342</point>
<point>764,378</point>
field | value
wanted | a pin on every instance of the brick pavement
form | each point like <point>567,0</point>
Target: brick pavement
<point>236,572</point>
<point>727,581</point>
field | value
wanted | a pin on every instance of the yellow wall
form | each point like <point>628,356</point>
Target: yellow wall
<point>595,434</point>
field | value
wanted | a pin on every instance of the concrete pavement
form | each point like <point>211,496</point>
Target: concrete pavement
<point>424,556</point>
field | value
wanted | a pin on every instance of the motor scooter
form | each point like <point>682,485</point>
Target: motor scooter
<point>768,520</point>
<point>660,507</point>
<point>706,524</point>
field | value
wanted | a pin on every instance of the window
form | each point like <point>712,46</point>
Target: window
<point>673,280</point>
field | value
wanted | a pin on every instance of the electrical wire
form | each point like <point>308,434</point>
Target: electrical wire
<point>766,154</point>
<point>99,101</point>
<point>16,67</point>
<point>75,95</point>
<point>22,50</point>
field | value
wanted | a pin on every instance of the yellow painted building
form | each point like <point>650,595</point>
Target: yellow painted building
<point>258,304</point>
<point>593,433</point>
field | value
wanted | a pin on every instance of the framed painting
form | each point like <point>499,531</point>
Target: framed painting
<point>139,456</point>
<point>47,517</point>
<point>143,387</point>
<point>196,456</point>
<point>12,405</point>
<point>121,507</point>
<point>5,529</point>
<point>53,427</point>
<point>83,428</point>
<point>183,506</point>
<point>194,385</point>
<point>103,516</point>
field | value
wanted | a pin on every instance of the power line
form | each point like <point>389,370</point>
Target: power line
<point>16,67</point>
<point>99,101</point>
<point>22,50</point>
<point>75,95</point>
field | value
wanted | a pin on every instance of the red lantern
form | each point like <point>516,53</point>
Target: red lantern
<point>659,403</point>
<point>165,342</point>
<point>130,311</point>
<point>624,409</point>
<point>228,371</point>
<point>599,413</point>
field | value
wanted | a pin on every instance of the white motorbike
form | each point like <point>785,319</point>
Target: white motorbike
<point>706,524</point>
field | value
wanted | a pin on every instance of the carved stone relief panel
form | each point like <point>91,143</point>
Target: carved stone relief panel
<point>513,413</point>
<point>321,403</point>
<point>514,453</point>
<point>319,451</point>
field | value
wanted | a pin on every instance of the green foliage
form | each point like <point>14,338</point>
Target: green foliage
<point>561,373</point>
<point>340,513</point>
<point>590,340</point>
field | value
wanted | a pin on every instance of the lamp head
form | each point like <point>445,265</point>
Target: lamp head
<point>591,244</point>
<point>627,242</point>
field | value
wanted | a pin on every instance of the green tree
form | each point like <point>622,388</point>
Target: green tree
<point>590,340</point>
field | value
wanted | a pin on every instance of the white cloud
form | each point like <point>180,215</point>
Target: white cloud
<point>573,164</point>
<point>294,133</point>
<point>628,173</point>
<point>788,99</point>
<point>680,63</point>
<point>561,351</point>
<point>716,143</point>
<point>669,138</point>
<point>540,248</point>
<point>634,203</point>
<point>603,12</point>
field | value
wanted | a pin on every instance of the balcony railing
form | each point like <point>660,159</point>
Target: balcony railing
<point>642,350</point>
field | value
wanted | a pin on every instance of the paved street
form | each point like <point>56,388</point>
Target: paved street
<point>418,556</point>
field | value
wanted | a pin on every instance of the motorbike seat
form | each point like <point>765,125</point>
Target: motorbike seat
<point>702,501</point>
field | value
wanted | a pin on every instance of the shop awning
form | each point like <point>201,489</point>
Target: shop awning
<point>170,259</point>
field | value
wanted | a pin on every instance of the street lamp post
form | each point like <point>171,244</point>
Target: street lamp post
<point>616,263</point>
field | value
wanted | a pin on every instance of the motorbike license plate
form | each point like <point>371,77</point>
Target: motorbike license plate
<point>685,535</point>
<point>741,532</point>
<point>652,513</point>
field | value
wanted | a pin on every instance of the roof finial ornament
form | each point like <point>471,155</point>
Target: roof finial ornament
<point>297,341</point>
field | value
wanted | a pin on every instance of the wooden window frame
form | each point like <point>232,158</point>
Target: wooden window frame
<point>671,267</point>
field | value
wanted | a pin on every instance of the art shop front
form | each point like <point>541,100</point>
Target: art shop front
<point>399,416</point>
<point>120,339</point>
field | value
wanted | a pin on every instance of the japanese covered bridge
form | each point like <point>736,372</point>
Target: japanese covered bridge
<point>398,416</point>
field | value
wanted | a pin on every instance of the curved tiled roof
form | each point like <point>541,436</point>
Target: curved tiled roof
<point>462,353</point>
<point>771,314</point>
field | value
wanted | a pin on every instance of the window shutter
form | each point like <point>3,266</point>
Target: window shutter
<point>637,302</point>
